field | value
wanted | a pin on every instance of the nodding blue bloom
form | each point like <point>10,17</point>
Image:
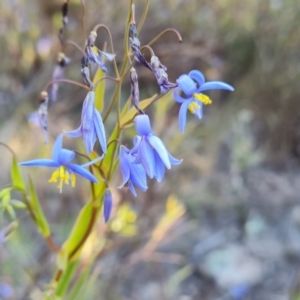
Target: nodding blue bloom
<point>150,150</point>
<point>107,205</point>
<point>94,55</point>
<point>192,85</point>
<point>91,126</point>
<point>133,174</point>
<point>160,72</point>
<point>61,159</point>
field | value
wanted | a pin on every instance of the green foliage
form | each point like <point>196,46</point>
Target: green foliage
<point>36,208</point>
<point>16,175</point>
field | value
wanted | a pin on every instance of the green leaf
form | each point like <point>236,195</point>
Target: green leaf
<point>100,90</point>
<point>37,210</point>
<point>11,211</point>
<point>127,119</point>
<point>5,191</point>
<point>16,175</point>
<point>6,199</point>
<point>17,204</point>
<point>86,218</point>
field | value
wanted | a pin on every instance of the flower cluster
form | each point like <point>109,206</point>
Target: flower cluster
<point>148,156</point>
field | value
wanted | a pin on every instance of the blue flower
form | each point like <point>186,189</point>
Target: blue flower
<point>107,205</point>
<point>94,55</point>
<point>91,126</point>
<point>150,150</point>
<point>65,171</point>
<point>133,174</point>
<point>192,85</point>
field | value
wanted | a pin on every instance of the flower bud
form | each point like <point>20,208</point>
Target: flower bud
<point>107,205</point>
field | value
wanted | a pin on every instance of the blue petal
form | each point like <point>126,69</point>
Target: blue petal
<point>57,146</point>
<point>87,122</point>
<point>136,142</point>
<point>142,125</point>
<point>100,131</point>
<point>199,112</point>
<point>138,176</point>
<point>40,163</point>
<point>198,77</point>
<point>65,156</point>
<point>187,85</point>
<point>107,205</point>
<point>173,160</point>
<point>108,56</point>
<point>132,189</point>
<point>182,115</point>
<point>177,96</point>
<point>147,158</point>
<point>160,148</point>
<point>215,85</point>
<point>82,172</point>
<point>159,168</point>
<point>124,166</point>
<point>74,133</point>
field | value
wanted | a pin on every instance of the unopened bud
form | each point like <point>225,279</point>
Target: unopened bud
<point>107,205</point>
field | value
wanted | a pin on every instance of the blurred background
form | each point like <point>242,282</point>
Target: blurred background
<point>225,224</point>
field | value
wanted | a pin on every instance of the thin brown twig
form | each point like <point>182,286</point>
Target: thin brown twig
<point>66,81</point>
<point>164,32</point>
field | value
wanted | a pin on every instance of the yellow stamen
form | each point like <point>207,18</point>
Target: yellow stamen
<point>95,49</point>
<point>193,107</point>
<point>73,180</point>
<point>203,98</point>
<point>64,177</point>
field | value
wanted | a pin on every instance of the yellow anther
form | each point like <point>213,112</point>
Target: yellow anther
<point>54,176</point>
<point>64,177</point>
<point>95,49</point>
<point>73,180</point>
<point>203,98</point>
<point>193,107</point>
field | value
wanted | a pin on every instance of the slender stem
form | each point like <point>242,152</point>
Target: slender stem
<point>143,18</point>
<point>83,18</point>
<point>72,43</point>
<point>51,244</point>
<point>66,81</point>
<point>105,77</point>
<point>8,148</point>
<point>164,32</point>
<point>111,44</point>
<point>112,102</point>
<point>149,48</point>
<point>126,37</point>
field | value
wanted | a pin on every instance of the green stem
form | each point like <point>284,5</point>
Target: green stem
<point>65,279</point>
<point>143,18</point>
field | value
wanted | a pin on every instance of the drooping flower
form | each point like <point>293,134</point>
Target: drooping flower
<point>133,174</point>
<point>150,150</point>
<point>61,159</point>
<point>135,92</point>
<point>160,72</point>
<point>94,55</point>
<point>91,126</point>
<point>107,205</point>
<point>192,86</point>
<point>135,45</point>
